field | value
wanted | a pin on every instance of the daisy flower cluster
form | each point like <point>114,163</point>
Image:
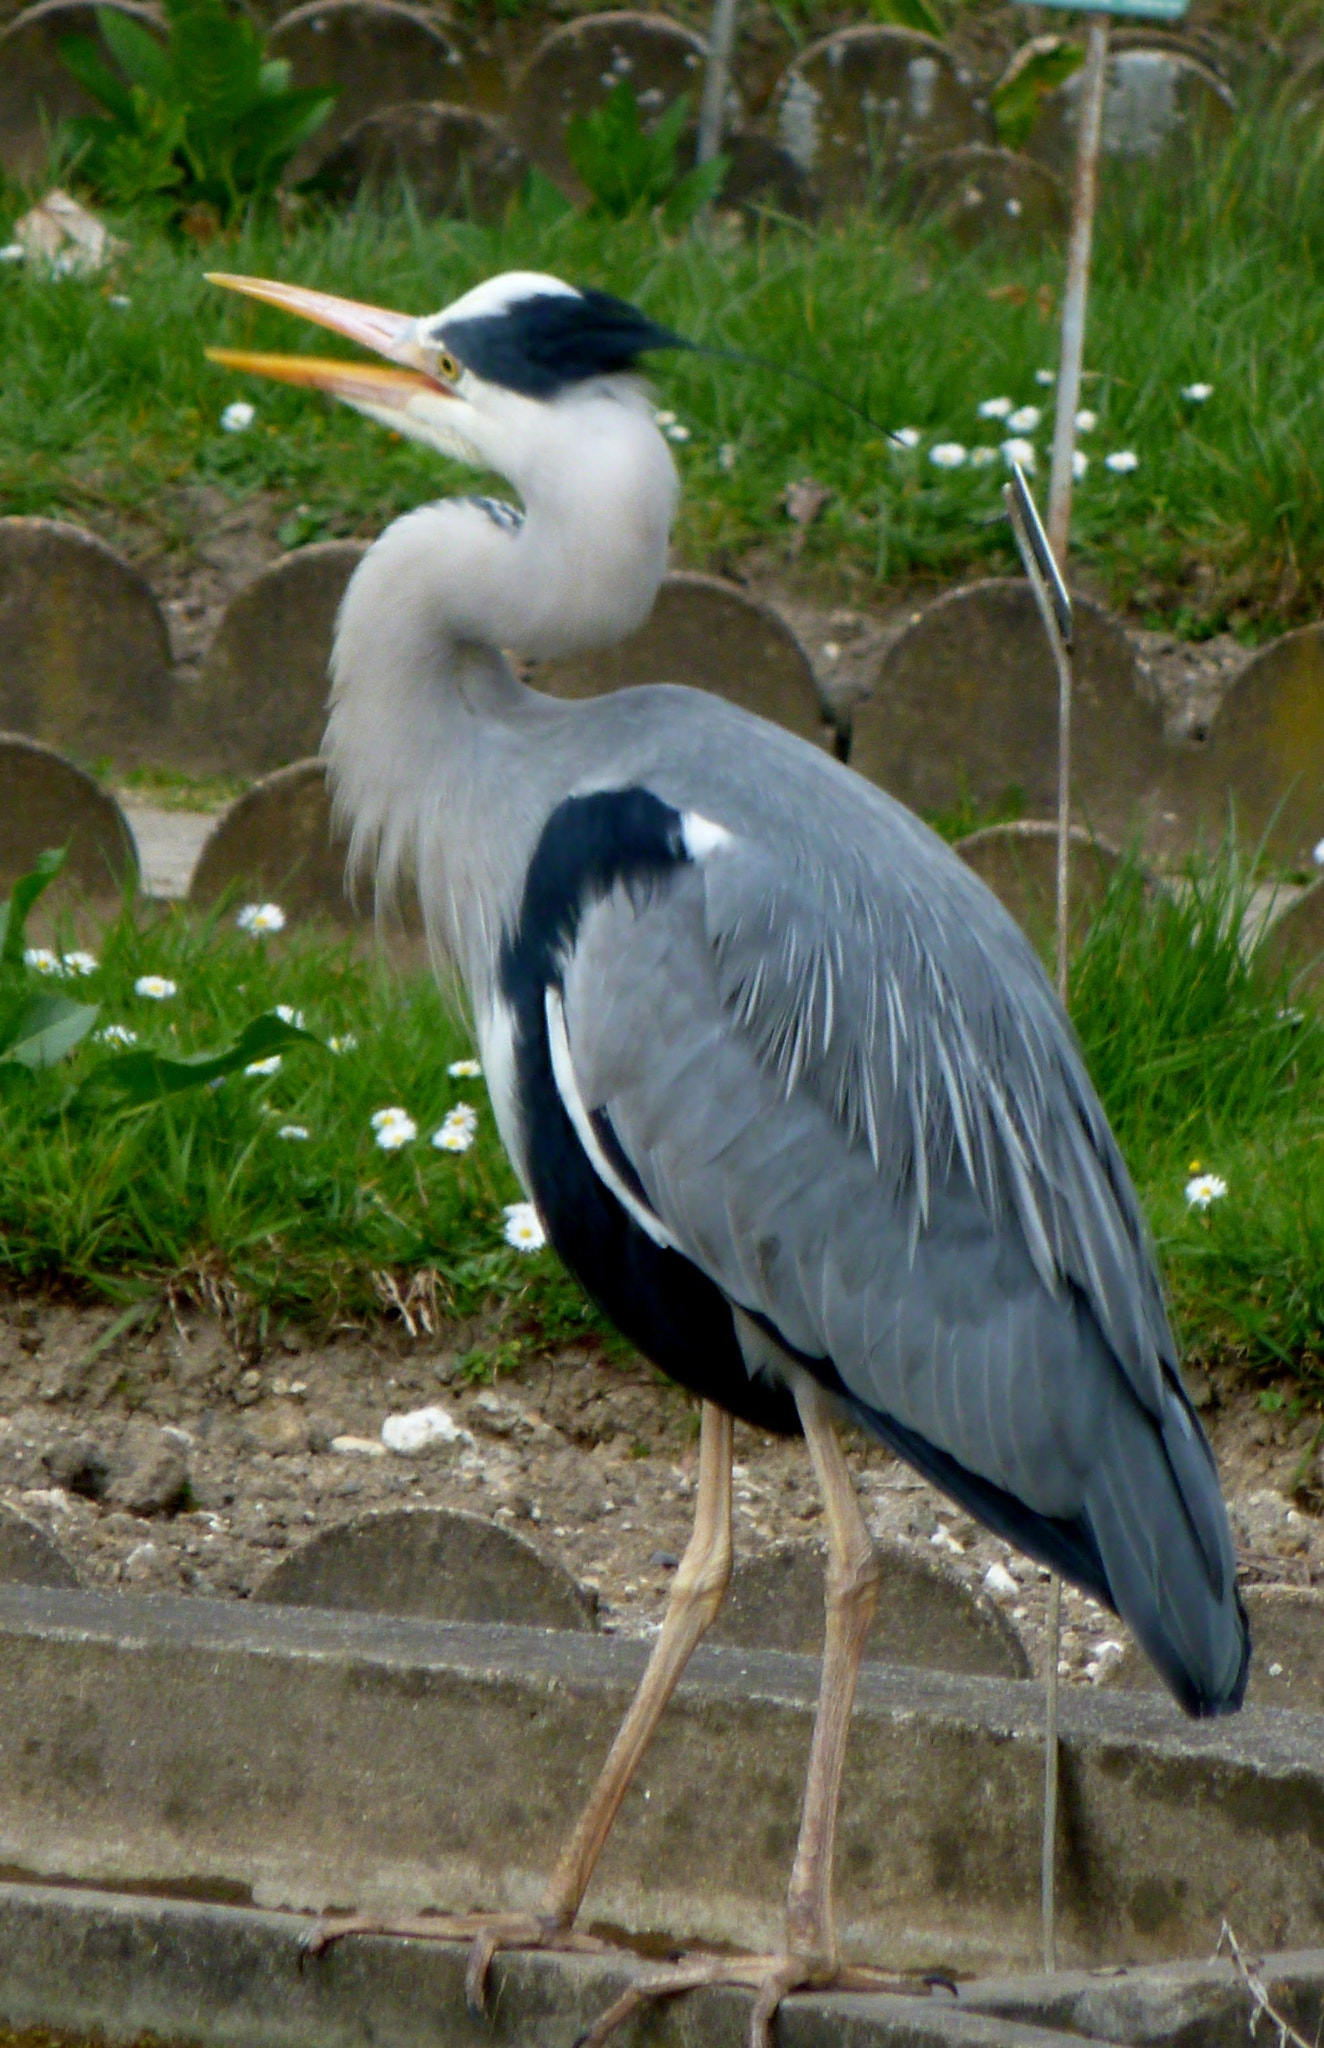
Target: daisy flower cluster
<point>64,966</point>
<point>1019,424</point>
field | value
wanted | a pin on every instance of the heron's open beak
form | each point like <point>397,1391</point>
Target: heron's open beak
<point>386,394</point>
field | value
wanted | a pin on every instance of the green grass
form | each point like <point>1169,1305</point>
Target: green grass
<point>1205,1065</point>
<point>1200,1060</point>
<point>201,1191</point>
<point>107,410</point>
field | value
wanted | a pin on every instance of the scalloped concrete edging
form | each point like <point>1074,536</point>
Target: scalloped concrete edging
<point>304,1759</point>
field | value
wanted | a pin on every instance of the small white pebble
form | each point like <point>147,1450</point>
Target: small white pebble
<point>1275,1671</point>
<point>357,1447</point>
<point>418,1428</point>
<point>999,1582</point>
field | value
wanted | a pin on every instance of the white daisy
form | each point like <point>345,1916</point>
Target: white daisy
<point>1045,376</point>
<point>947,454</point>
<point>238,415</point>
<point>979,457</point>
<point>257,918</point>
<point>1020,451</point>
<point>289,1016</point>
<point>345,1041</point>
<point>457,1129</point>
<point>41,960</point>
<point>1197,393</point>
<point>1121,461</point>
<point>727,457</point>
<point>157,986</point>
<point>523,1229</point>
<point>676,432</point>
<point>271,1065</point>
<point>465,1070</point>
<point>1086,421</point>
<point>79,963</point>
<point>394,1128</point>
<point>292,1131</point>
<point>1025,419</point>
<point>906,437</point>
<point>1080,462</point>
<point>1318,855</point>
<point>115,1034</point>
<point>1205,1188</point>
<point>993,408</point>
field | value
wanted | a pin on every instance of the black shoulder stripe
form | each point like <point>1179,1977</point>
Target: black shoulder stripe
<point>588,845</point>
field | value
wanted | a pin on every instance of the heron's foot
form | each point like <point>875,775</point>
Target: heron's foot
<point>486,1934</point>
<point>770,1978</point>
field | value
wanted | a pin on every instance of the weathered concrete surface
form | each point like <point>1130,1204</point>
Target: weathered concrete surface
<point>36,90</point>
<point>575,68</point>
<point>313,1760</point>
<point>229,1978</point>
<point>862,103</point>
<point>453,160</point>
<point>965,710</point>
<point>1266,750</point>
<point>436,1563</point>
<point>1287,1670</point>
<point>261,699</point>
<point>276,841</point>
<point>925,1616</point>
<point>1019,864</point>
<point>713,636</point>
<point>87,655</point>
<point>29,1557</point>
<point>374,54</point>
<point>1295,941</point>
<point>1159,109</point>
<point>981,194</point>
<point>1175,2005</point>
<point>46,802</point>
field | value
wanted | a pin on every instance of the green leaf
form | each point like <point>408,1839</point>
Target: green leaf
<point>274,77</point>
<point>141,1076</point>
<point>907,14</point>
<point>83,60</point>
<point>1033,72</point>
<point>49,1030</point>
<point>14,913</point>
<point>267,136</point>
<point>698,188</point>
<point>139,54</point>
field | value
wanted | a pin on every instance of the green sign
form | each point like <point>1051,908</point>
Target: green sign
<point>1143,10</point>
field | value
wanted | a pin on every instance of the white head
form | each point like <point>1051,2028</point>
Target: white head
<point>527,376</point>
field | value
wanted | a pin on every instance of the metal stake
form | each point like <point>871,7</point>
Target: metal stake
<point>1051,596</point>
<point>1093,82</point>
<point>716,79</point>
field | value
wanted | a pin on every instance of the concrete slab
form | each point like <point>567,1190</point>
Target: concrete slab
<point>168,844</point>
<point>227,1978</point>
<point>307,1759</point>
<point>1178,2005</point>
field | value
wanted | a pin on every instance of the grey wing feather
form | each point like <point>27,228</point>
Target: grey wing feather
<point>864,1115</point>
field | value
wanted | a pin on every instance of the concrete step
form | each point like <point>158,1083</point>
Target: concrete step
<point>119,1967</point>
<point>309,1760</point>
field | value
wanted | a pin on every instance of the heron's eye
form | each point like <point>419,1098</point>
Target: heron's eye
<point>447,366</point>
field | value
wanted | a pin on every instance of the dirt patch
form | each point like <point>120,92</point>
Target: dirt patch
<point>164,1458</point>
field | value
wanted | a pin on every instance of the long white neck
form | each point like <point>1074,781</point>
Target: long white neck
<point>441,764</point>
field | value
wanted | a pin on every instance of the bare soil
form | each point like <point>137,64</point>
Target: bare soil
<point>592,1459</point>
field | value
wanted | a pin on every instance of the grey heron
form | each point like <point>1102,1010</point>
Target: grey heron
<point>788,1087</point>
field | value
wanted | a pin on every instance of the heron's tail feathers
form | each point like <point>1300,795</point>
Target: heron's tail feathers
<point>1156,1512</point>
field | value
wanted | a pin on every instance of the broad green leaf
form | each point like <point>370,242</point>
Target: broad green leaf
<point>49,1029</point>
<point>274,77</point>
<point>140,55</point>
<point>14,913</point>
<point>698,188</point>
<point>907,14</point>
<point>141,1076</point>
<point>1017,96</point>
<point>84,61</point>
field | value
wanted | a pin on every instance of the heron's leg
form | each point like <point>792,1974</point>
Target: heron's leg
<point>696,1594</point>
<point>851,1595</point>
